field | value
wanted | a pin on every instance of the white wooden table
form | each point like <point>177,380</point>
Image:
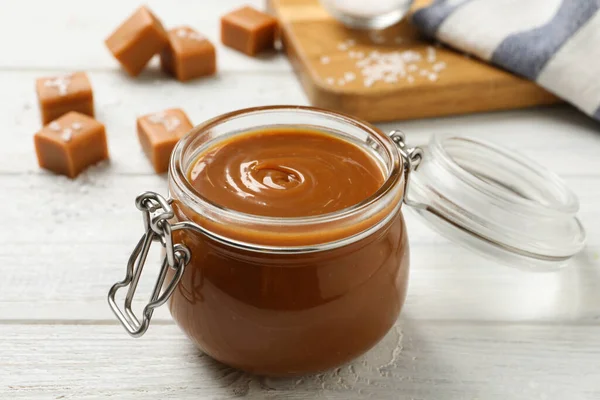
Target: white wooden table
<point>470,329</point>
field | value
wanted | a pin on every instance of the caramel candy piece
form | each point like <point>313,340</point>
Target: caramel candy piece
<point>248,30</point>
<point>70,144</point>
<point>136,40</point>
<point>60,94</point>
<point>189,55</point>
<point>158,134</point>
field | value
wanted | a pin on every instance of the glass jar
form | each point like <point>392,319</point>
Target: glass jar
<point>290,296</point>
<point>374,14</point>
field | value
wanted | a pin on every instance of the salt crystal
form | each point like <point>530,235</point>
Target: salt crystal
<point>410,79</point>
<point>54,126</point>
<point>325,60</point>
<point>349,76</point>
<point>390,79</point>
<point>431,55</point>
<point>423,72</point>
<point>157,118</point>
<point>439,66</point>
<point>184,34</point>
<point>76,125</point>
<point>330,81</point>
<point>61,83</point>
<point>67,134</point>
<point>368,82</point>
<point>196,36</point>
<point>342,47</point>
<point>412,68</point>
<point>170,124</point>
<point>433,77</point>
<point>341,82</point>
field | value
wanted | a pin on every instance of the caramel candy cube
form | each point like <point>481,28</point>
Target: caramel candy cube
<point>159,132</point>
<point>60,94</point>
<point>189,55</point>
<point>136,40</point>
<point>70,144</point>
<point>248,30</point>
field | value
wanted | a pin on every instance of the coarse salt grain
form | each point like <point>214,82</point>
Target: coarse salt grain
<point>410,79</point>
<point>330,81</point>
<point>386,67</point>
<point>61,83</point>
<point>431,54</point>
<point>433,77</point>
<point>342,47</point>
<point>76,125</point>
<point>439,66</point>
<point>423,72</point>
<point>325,60</point>
<point>185,34</point>
<point>349,76</point>
<point>67,134</point>
<point>170,123</point>
<point>54,126</point>
<point>196,36</point>
<point>341,82</point>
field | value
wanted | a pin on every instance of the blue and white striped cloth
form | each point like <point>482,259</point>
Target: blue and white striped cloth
<point>555,43</point>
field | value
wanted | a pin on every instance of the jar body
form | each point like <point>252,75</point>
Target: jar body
<point>289,296</point>
<point>291,314</point>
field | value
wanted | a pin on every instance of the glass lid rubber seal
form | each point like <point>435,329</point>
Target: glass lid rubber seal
<point>496,202</point>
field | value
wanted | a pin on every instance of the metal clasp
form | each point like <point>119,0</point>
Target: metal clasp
<point>157,211</point>
<point>412,157</point>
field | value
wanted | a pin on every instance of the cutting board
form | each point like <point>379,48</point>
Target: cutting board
<point>391,74</point>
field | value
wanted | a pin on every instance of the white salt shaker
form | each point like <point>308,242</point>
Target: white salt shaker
<point>371,14</point>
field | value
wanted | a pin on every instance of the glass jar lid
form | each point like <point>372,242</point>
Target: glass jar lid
<point>497,202</point>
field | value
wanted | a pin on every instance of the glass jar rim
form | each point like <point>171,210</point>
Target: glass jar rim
<point>393,169</point>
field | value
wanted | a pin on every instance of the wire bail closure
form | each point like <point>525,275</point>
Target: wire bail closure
<point>412,157</point>
<point>156,213</point>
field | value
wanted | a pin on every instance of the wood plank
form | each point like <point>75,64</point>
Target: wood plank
<point>59,258</point>
<point>540,133</point>
<point>464,86</point>
<point>69,34</point>
<point>416,360</point>
<point>119,100</point>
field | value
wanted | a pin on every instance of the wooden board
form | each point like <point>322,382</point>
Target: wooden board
<point>323,52</point>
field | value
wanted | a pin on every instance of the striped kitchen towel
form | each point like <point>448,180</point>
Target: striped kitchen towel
<point>555,43</point>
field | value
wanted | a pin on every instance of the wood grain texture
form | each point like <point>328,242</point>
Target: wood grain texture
<point>416,360</point>
<point>470,329</point>
<point>465,86</point>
